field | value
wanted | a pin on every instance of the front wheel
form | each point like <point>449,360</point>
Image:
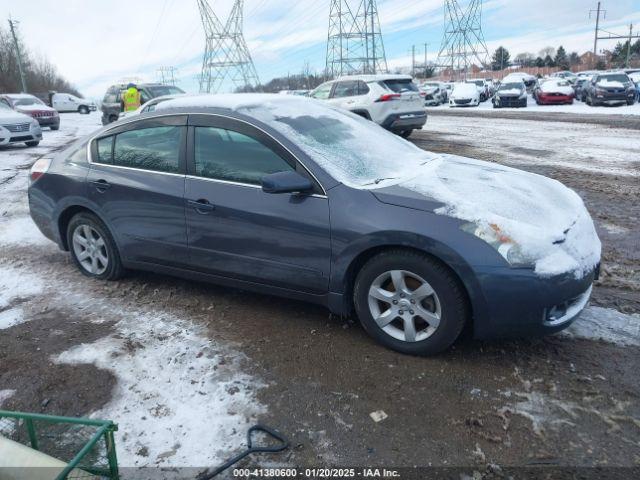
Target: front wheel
<point>410,302</point>
<point>406,133</point>
<point>34,143</point>
<point>92,248</point>
<point>55,127</point>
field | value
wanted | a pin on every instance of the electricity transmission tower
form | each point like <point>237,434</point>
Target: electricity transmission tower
<point>463,42</point>
<point>354,41</point>
<point>167,75</point>
<point>611,36</point>
<point>226,56</point>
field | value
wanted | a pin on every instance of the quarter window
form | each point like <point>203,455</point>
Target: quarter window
<point>227,155</point>
<point>156,149</point>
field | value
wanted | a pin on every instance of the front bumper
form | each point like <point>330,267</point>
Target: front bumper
<point>555,99</point>
<point>48,121</point>
<point>405,121</point>
<point>519,303</point>
<point>510,102</point>
<point>31,135</point>
<point>614,99</point>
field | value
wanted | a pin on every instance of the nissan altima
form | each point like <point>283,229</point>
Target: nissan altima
<point>290,196</point>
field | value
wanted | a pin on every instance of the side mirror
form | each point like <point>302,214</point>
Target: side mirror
<point>286,182</point>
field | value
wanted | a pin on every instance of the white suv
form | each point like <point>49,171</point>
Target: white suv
<point>392,101</point>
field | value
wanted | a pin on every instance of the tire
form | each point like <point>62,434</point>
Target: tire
<point>55,127</point>
<point>113,118</point>
<point>448,302</point>
<point>406,133</point>
<point>82,110</point>
<point>89,227</point>
<point>34,143</point>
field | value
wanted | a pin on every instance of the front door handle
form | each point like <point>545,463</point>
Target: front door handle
<point>101,185</point>
<point>202,206</point>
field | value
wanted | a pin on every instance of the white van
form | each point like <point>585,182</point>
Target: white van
<point>65,102</point>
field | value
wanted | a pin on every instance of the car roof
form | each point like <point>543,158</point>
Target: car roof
<point>375,78</point>
<point>17,96</point>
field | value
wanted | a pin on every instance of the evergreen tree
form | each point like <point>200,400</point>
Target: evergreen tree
<point>500,59</point>
<point>548,61</point>
<point>561,59</point>
<point>539,62</point>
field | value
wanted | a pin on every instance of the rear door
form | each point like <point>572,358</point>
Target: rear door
<point>137,182</point>
<point>237,230</point>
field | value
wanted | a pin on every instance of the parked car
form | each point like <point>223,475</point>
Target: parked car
<point>34,107</point>
<point>566,75</point>
<point>17,127</point>
<point>65,102</point>
<point>580,86</point>
<point>464,95</point>
<point>391,101</point>
<point>483,88</point>
<point>434,93</point>
<point>289,196</point>
<point>150,106</point>
<point>112,104</point>
<point>553,91</point>
<point>513,94</point>
<point>611,88</point>
<point>528,79</point>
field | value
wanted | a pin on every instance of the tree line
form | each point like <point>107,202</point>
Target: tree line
<point>40,74</point>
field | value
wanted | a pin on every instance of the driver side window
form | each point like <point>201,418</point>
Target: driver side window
<point>227,155</point>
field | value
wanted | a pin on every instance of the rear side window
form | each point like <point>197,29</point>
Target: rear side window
<point>231,156</point>
<point>105,150</point>
<point>155,148</point>
<point>400,85</point>
<point>346,89</point>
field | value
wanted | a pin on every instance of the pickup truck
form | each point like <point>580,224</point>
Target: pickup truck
<point>65,102</point>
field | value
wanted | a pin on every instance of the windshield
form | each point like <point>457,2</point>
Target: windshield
<point>27,101</point>
<point>614,78</point>
<point>4,106</point>
<point>510,86</point>
<point>162,90</point>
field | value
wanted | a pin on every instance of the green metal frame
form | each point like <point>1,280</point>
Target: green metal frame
<point>105,429</point>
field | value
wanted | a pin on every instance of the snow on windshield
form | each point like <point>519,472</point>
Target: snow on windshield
<point>353,150</point>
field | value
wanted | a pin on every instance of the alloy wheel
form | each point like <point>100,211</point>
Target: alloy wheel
<point>404,306</point>
<point>90,249</point>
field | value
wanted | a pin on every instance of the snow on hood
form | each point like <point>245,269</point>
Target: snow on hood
<point>610,83</point>
<point>9,116</point>
<point>547,220</point>
<point>555,87</point>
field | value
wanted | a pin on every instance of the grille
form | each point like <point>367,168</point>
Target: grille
<point>463,102</point>
<point>17,128</point>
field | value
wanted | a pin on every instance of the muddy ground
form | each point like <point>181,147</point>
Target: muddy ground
<point>555,401</point>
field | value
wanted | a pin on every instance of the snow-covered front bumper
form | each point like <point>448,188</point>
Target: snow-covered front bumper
<point>18,133</point>
<point>517,302</point>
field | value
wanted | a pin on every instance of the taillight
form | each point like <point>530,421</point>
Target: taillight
<point>387,97</point>
<point>39,169</point>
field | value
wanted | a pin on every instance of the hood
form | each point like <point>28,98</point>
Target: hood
<point>610,84</point>
<point>9,116</point>
<point>510,92</point>
<point>547,220</point>
<point>552,87</point>
<point>34,108</point>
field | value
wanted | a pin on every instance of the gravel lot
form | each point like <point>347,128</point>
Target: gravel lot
<point>184,367</point>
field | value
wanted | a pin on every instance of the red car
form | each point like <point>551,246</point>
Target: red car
<point>554,91</point>
<point>34,107</point>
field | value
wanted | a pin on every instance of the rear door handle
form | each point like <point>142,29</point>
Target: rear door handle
<point>101,185</point>
<point>202,206</point>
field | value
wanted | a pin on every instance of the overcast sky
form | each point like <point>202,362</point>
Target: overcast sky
<point>94,43</point>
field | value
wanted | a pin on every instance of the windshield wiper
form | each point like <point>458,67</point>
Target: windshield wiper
<point>378,180</point>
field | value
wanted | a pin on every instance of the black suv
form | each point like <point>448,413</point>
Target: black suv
<point>610,89</point>
<point>112,102</point>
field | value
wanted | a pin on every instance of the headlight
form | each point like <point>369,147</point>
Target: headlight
<point>503,244</point>
<point>34,124</point>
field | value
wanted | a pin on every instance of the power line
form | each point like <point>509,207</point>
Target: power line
<point>611,35</point>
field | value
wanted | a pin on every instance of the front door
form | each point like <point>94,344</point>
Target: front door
<point>136,181</point>
<point>237,230</point>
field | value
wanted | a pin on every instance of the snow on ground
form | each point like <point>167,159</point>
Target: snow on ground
<point>580,108</point>
<point>181,399</point>
<point>17,284</point>
<point>612,151</point>
<point>597,323</point>
<point>11,317</point>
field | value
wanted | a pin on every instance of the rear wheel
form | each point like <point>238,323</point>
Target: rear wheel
<point>92,248</point>
<point>410,302</point>
<point>83,110</point>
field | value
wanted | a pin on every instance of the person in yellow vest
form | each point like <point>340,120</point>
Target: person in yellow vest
<point>131,98</point>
